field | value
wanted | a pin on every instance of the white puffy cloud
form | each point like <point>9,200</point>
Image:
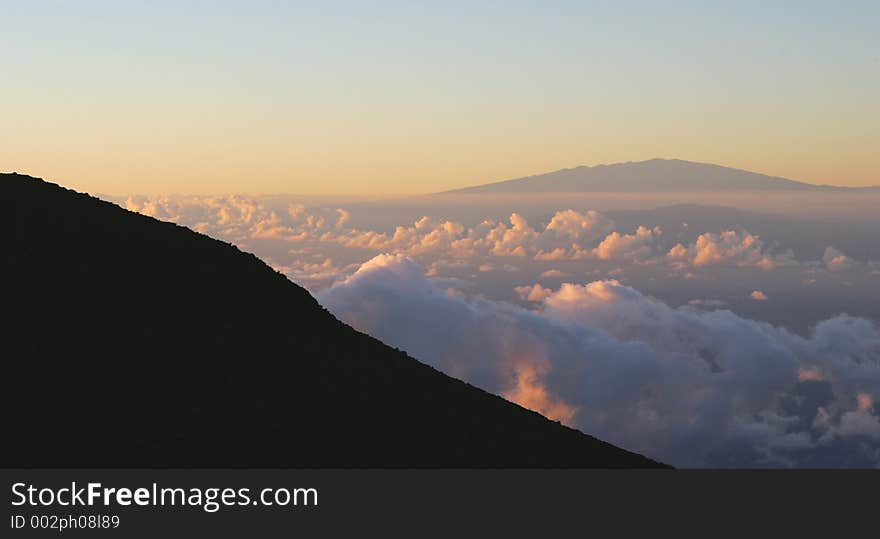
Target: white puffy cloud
<point>535,292</point>
<point>425,236</point>
<point>581,228</point>
<point>515,240</point>
<point>314,275</point>
<point>239,217</point>
<point>693,388</point>
<point>731,247</point>
<point>569,235</point>
<point>635,247</point>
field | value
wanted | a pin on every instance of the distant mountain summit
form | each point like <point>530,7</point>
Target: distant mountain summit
<point>133,342</point>
<point>655,175</point>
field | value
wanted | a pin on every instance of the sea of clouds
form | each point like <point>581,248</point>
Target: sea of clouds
<point>696,385</point>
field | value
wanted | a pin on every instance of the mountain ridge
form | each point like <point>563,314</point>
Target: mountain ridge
<point>652,175</point>
<point>138,342</point>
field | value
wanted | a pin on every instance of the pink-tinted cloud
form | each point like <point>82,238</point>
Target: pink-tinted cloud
<point>758,295</point>
<point>690,387</point>
<point>834,260</point>
<point>636,247</point>
<point>535,292</point>
<point>733,248</point>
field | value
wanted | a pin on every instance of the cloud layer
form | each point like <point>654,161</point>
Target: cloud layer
<point>691,387</point>
<point>302,234</point>
<point>694,386</point>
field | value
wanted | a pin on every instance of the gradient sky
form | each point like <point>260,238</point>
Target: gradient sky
<point>413,97</point>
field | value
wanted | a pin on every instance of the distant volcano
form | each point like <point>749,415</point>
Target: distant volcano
<point>129,341</point>
<point>652,176</point>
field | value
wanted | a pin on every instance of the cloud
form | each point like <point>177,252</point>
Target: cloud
<point>568,235</point>
<point>693,388</point>
<point>444,265</point>
<point>732,248</point>
<point>344,217</point>
<point>582,228</point>
<point>529,391</point>
<point>809,374</point>
<point>758,295</point>
<point>707,302</point>
<point>535,292</point>
<point>239,217</point>
<point>834,260</point>
<point>314,275</point>
<point>636,247</point>
<point>859,423</point>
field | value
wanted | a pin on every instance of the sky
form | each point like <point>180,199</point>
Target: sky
<point>414,97</point>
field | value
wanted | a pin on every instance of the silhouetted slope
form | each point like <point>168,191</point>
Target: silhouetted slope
<point>130,341</point>
<point>654,175</point>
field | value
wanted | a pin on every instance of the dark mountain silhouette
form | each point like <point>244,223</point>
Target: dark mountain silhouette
<point>134,342</point>
<point>654,175</point>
